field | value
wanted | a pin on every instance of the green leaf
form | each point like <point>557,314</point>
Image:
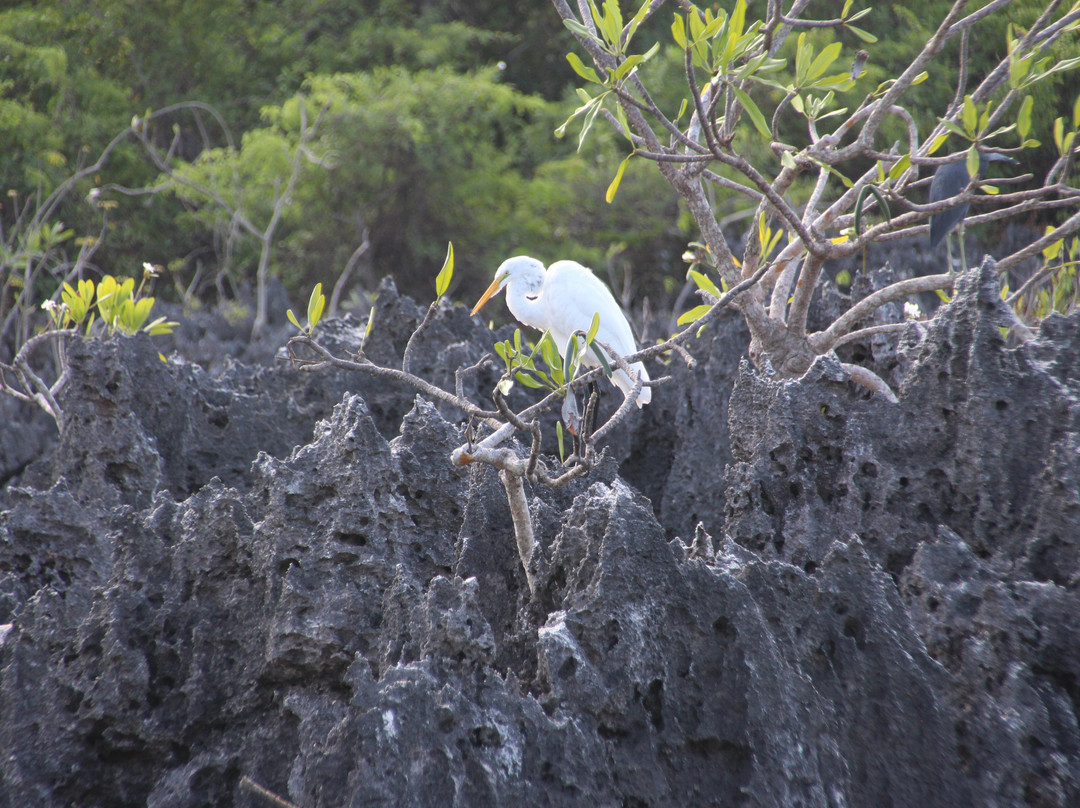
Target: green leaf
<point>1059,134</point>
<point>593,328</point>
<point>865,36</point>
<point>1076,112</point>
<point>635,60</point>
<point>900,166</point>
<point>292,319</point>
<point>552,357</point>
<point>697,27</point>
<point>590,117</point>
<point>586,107</point>
<point>370,323</point>
<point>636,20</point>
<point>315,305</point>
<point>753,111</point>
<point>1019,68</point>
<point>972,161</point>
<point>160,326</point>
<point>1052,250</point>
<point>1001,130</point>
<point>804,52</point>
<point>824,59</point>
<point>969,116</point>
<point>587,73</point>
<point>704,283</point>
<point>602,359</point>
<point>579,29</point>
<point>954,128</point>
<point>843,179</point>
<point>693,315</point>
<point>614,187</point>
<point>558,424</point>
<point>571,358</point>
<point>613,19</point>
<point>841,82</point>
<point>678,31</point>
<point>939,141</point>
<point>846,9</point>
<point>1067,147</point>
<point>734,33</point>
<point>446,274</point>
<point>528,380</point>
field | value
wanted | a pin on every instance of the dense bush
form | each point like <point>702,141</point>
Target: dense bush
<point>439,126</point>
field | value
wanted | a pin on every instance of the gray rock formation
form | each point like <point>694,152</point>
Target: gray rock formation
<point>825,599</point>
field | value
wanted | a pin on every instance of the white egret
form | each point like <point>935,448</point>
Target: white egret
<point>563,299</point>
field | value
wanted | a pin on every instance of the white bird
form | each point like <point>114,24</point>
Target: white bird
<point>563,299</point>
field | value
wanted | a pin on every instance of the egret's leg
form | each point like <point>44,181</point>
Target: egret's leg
<point>948,251</point>
<point>594,390</point>
<point>571,418</point>
<point>963,258</point>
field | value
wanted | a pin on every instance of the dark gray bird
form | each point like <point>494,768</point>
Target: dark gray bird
<point>949,180</point>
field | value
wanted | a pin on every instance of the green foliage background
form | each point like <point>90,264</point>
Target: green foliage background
<point>437,125</point>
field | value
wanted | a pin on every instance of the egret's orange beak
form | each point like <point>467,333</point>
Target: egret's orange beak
<point>492,290</point>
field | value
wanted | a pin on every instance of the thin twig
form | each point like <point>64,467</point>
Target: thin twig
<point>248,784</point>
<point>406,358</point>
<point>350,265</point>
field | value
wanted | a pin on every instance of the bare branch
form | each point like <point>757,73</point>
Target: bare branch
<point>823,341</point>
<point>34,389</point>
<point>870,380</point>
<point>523,530</point>
<point>371,369</point>
<point>350,265</point>
<point>863,333</point>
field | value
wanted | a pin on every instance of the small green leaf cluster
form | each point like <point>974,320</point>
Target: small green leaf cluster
<point>315,307</point>
<point>563,363</point>
<point>115,303</point>
<point>697,254</point>
<point>704,283</point>
<point>1060,292</point>
<point>614,39</point>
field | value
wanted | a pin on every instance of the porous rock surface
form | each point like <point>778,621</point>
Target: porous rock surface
<point>823,600</point>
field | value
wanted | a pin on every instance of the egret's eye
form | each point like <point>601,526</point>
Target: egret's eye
<point>532,297</point>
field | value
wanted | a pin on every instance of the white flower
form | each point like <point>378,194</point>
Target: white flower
<point>912,311</point>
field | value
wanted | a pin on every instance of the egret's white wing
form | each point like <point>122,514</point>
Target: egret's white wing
<point>572,295</point>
